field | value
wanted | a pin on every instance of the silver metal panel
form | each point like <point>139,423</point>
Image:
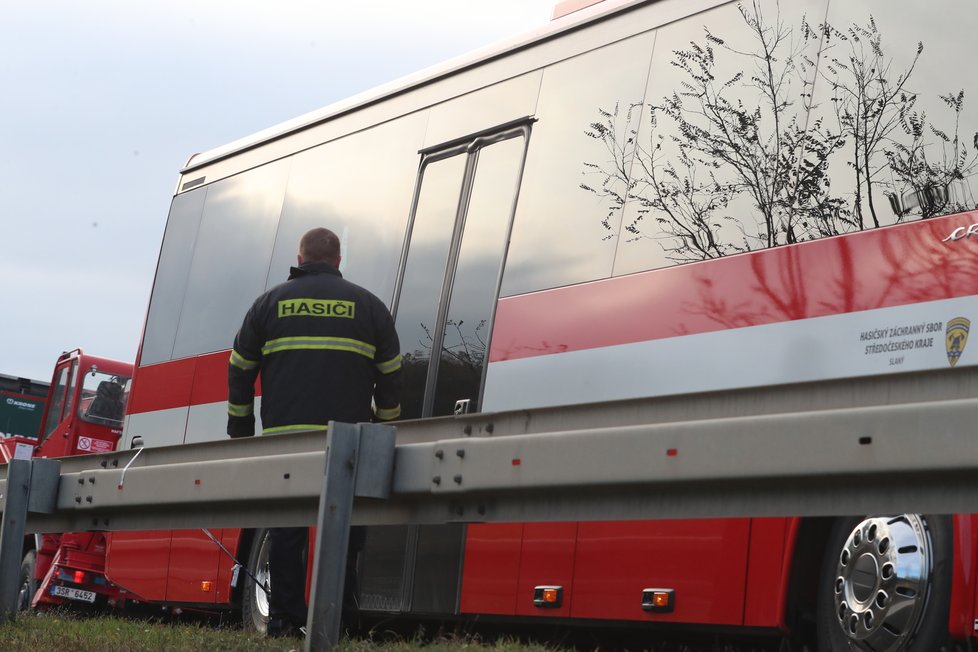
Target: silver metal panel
<point>375,459</point>
<point>157,428</point>
<point>819,348</point>
<point>12,528</point>
<point>45,481</point>
<point>835,457</point>
<point>476,111</point>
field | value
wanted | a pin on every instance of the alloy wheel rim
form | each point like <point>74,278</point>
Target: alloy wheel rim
<point>882,582</point>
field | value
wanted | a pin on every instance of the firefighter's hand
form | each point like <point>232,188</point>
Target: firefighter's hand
<point>241,426</point>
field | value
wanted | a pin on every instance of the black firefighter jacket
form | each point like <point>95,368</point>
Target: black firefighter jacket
<point>324,347</point>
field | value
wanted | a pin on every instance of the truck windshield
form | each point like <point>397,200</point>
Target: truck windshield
<point>103,398</point>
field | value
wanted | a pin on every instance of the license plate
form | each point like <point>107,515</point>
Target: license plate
<point>73,594</point>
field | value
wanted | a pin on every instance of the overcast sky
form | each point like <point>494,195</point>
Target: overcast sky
<point>103,101</point>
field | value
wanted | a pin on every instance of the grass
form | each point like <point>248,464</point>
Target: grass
<point>68,632</point>
<point>65,631</point>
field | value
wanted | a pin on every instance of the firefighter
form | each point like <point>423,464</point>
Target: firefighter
<point>326,350</point>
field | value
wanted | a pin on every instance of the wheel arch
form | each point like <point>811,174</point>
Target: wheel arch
<point>245,544</point>
<point>31,542</point>
<point>806,547</point>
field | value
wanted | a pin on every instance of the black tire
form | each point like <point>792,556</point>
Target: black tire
<point>867,601</point>
<point>28,583</point>
<point>254,600</point>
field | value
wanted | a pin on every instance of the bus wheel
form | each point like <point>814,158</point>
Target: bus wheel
<point>28,583</point>
<point>254,608</point>
<point>885,585</point>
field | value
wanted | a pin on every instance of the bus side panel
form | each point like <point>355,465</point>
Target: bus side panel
<point>703,561</point>
<point>491,568</point>
<point>138,561</point>
<point>193,568</point>
<point>964,577</point>
<point>547,559</point>
<point>765,564</point>
<point>161,387</point>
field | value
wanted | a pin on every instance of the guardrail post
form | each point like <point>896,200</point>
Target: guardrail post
<point>359,461</point>
<point>12,528</point>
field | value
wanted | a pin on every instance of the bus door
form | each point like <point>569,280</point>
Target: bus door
<point>463,208</point>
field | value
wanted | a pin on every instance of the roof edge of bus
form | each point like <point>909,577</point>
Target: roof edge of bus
<point>557,26</point>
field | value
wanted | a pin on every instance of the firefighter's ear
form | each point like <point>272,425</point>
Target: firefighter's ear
<point>298,259</point>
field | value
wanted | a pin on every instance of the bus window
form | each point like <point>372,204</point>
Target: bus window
<point>231,257</point>
<point>367,203</point>
<point>562,233</point>
<point>171,276</point>
<point>920,161</point>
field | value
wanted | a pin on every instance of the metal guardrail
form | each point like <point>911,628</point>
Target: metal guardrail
<point>357,461</point>
<point>917,457</point>
<point>911,457</point>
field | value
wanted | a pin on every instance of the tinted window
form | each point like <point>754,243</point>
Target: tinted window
<point>360,187</point>
<point>171,276</point>
<point>562,233</point>
<point>906,69</point>
<point>726,159</point>
<point>424,275</point>
<point>467,329</point>
<point>231,257</point>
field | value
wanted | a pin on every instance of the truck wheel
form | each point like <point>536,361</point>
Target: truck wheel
<point>254,609</point>
<point>28,583</point>
<point>885,585</point>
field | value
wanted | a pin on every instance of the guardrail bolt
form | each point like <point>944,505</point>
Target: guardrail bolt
<point>91,480</point>
<point>440,454</point>
<point>105,464</point>
<point>436,479</point>
<point>490,428</point>
<point>88,499</point>
<point>458,479</point>
<point>467,429</point>
<point>78,499</point>
<point>115,463</point>
<point>81,480</point>
<point>460,452</point>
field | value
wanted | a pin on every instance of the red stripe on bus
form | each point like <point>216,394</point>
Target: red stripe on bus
<point>179,383</point>
<point>881,268</point>
<point>891,266</point>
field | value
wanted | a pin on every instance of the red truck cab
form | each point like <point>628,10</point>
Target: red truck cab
<point>86,406</point>
<point>85,409</point>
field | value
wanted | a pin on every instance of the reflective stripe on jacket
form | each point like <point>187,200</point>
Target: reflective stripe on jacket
<point>326,350</point>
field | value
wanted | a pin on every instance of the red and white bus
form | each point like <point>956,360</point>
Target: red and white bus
<point>691,203</point>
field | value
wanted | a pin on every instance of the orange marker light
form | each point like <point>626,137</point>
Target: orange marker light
<point>206,586</point>
<point>548,597</point>
<point>659,600</point>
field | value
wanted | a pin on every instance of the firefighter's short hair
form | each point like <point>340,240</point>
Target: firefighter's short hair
<point>319,245</point>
